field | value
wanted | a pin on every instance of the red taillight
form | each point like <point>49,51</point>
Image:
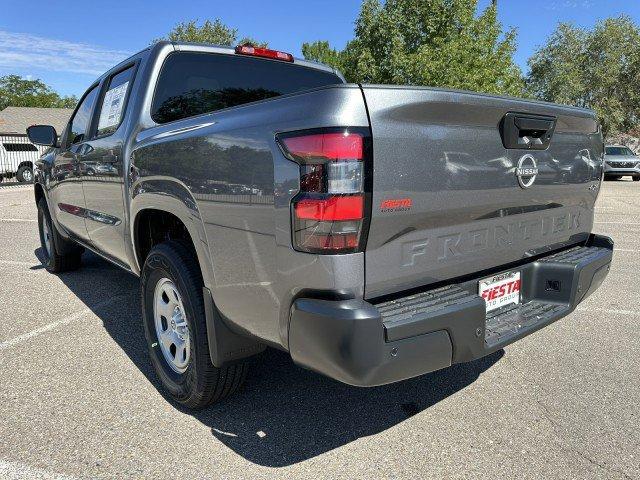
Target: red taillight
<point>329,212</point>
<point>329,146</point>
<point>264,52</point>
<point>330,209</point>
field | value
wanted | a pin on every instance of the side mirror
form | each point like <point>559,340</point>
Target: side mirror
<point>43,135</point>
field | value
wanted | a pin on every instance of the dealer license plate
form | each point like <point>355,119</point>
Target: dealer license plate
<point>500,290</point>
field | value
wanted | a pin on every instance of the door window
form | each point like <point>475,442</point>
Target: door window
<point>19,147</point>
<point>113,102</point>
<point>82,118</point>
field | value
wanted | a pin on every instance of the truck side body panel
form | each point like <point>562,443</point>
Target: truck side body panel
<point>242,187</point>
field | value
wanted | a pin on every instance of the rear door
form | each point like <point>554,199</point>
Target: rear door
<point>454,190</point>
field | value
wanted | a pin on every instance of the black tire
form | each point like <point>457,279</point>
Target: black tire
<point>62,255</point>
<point>24,174</point>
<point>202,383</point>
<point>636,179</point>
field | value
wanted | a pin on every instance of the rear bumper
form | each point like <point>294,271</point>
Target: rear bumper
<point>365,344</point>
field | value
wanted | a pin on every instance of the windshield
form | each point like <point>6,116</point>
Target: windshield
<point>618,151</point>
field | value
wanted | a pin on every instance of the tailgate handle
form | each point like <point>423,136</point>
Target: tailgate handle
<point>527,131</point>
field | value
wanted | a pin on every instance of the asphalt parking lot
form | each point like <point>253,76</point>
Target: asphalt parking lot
<point>78,396</point>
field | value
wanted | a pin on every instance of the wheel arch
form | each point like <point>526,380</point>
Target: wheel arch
<point>167,214</point>
<point>26,163</point>
<point>38,193</point>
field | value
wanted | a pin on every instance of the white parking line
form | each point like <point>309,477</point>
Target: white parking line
<point>13,188</point>
<point>50,326</point>
<point>11,471</point>
<point>17,220</point>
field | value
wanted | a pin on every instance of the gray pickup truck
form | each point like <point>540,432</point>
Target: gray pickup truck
<point>375,233</point>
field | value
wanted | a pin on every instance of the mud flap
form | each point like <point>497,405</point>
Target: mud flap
<point>225,346</point>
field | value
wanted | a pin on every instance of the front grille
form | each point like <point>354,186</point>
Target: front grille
<point>622,164</point>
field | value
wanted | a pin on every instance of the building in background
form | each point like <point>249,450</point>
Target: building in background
<point>17,153</point>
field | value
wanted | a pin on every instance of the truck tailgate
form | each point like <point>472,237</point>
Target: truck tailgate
<point>446,198</point>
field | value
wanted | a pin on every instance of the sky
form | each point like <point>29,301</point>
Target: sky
<point>68,44</point>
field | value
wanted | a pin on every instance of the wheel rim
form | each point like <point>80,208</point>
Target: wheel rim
<point>171,325</point>
<point>46,237</point>
<point>27,175</point>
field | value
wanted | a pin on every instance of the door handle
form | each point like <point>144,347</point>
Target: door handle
<point>527,131</point>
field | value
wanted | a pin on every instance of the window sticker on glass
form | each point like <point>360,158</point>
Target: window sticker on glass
<point>112,107</point>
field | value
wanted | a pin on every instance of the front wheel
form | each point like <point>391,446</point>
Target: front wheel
<point>176,330</point>
<point>60,255</point>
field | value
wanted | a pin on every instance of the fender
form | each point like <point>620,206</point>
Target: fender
<point>171,196</point>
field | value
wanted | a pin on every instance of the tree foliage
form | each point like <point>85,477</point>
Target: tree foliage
<point>16,91</point>
<point>442,43</point>
<point>597,68</point>
<point>322,52</point>
<point>214,32</point>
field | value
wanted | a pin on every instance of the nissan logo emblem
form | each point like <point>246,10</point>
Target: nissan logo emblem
<point>527,170</point>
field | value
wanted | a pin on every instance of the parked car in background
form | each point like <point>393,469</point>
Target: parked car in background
<point>17,153</point>
<point>620,161</point>
<point>373,232</point>
<point>17,157</point>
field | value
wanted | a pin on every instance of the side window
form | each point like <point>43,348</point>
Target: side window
<point>113,103</point>
<point>19,147</point>
<point>82,118</point>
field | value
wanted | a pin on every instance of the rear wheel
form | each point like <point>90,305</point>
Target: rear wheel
<point>60,255</point>
<point>636,179</point>
<point>24,174</point>
<point>176,330</point>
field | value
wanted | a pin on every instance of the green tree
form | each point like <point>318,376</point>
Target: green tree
<point>16,91</point>
<point>214,32</point>
<point>442,43</point>
<point>322,52</point>
<point>596,68</point>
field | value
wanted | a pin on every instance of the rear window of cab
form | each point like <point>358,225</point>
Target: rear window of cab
<point>193,83</point>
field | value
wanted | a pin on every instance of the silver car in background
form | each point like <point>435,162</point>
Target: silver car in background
<point>620,161</point>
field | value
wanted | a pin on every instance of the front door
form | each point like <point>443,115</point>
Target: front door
<point>66,190</point>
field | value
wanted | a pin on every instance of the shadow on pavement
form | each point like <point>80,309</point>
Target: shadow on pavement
<point>284,414</point>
